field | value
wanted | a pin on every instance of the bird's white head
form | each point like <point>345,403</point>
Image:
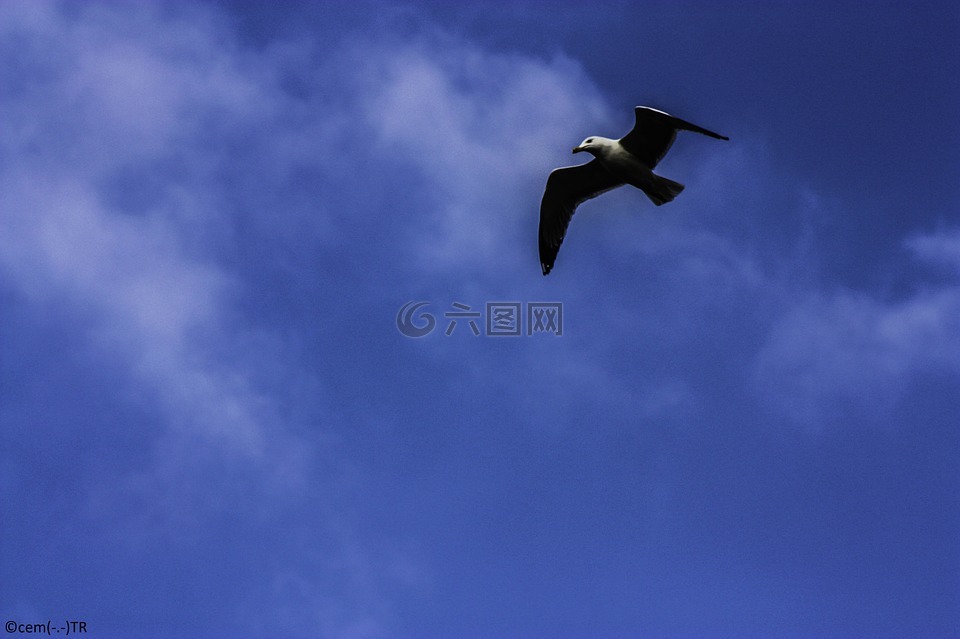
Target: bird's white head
<point>592,145</point>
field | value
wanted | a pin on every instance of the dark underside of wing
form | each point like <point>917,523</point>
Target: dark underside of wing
<point>566,189</point>
<point>654,132</point>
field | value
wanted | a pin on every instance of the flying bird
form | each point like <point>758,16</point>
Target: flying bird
<point>629,160</point>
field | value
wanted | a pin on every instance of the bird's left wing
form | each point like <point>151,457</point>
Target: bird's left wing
<point>566,189</point>
<point>653,134</point>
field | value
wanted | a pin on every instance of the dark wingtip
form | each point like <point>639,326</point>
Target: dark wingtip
<point>709,133</point>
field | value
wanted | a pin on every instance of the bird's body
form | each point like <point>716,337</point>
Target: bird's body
<point>626,167</point>
<point>629,160</point>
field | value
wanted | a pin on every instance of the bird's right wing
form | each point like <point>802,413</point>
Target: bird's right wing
<point>566,189</point>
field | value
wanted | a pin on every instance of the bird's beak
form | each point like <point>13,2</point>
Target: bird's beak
<point>577,149</point>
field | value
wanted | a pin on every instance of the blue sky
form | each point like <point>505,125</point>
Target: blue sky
<point>210,215</point>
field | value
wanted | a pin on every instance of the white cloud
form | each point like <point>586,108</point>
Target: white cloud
<point>942,248</point>
<point>115,93</point>
<point>833,351</point>
<point>124,89</point>
<point>467,120</point>
<point>820,350</point>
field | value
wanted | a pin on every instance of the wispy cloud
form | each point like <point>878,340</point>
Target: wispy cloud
<point>114,183</point>
<point>464,119</point>
<point>124,155</point>
<point>937,249</point>
<point>112,99</point>
<point>853,349</point>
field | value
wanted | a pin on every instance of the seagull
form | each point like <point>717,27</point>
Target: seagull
<point>629,160</point>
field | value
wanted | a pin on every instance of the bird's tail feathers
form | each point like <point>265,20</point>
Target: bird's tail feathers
<point>663,190</point>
